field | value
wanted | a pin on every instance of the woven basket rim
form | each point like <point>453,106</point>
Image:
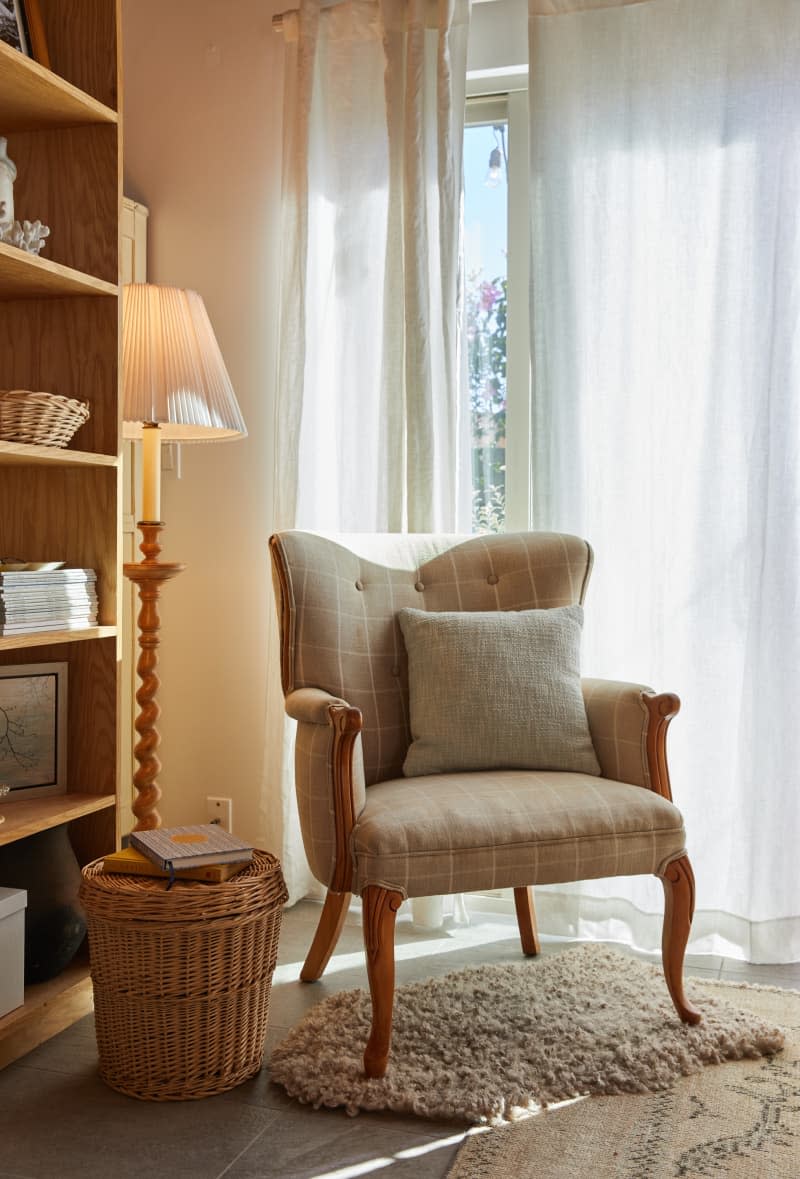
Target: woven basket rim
<point>41,395</point>
<point>39,418</point>
<point>54,401</point>
<point>148,901</point>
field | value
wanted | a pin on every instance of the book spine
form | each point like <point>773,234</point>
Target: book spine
<point>146,850</point>
<point>211,875</point>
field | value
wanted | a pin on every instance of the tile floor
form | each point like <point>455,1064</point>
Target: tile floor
<point>59,1121</point>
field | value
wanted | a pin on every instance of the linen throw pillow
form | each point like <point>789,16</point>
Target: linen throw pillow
<point>496,690</point>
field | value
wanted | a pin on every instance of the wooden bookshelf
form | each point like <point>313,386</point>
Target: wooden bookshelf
<point>59,333</point>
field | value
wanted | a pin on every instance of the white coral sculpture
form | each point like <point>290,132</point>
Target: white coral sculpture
<point>26,235</point>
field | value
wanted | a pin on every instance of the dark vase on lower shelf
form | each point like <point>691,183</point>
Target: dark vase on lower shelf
<point>55,925</point>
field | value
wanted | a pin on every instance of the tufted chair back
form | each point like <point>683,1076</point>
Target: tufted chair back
<point>338,598</point>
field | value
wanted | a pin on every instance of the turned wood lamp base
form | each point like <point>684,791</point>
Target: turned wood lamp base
<point>148,574</point>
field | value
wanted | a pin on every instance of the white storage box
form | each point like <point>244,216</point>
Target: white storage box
<point>12,948</point>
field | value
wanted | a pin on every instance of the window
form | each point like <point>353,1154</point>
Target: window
<point>497,370</point>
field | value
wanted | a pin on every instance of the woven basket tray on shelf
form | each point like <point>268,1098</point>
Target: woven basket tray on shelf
<point>182,977</point>
<point>44,419</point>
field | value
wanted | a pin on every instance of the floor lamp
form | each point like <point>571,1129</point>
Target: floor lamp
<point>175,388</point>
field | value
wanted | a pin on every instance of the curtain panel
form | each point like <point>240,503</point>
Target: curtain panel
<point>665,216</point>
<point>372,437</point>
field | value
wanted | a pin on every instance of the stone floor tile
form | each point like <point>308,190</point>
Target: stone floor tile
<point>76,1127</point>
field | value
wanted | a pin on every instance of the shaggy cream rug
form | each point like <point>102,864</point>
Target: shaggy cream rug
<point>491,1042</point>
<point>740,1122</point>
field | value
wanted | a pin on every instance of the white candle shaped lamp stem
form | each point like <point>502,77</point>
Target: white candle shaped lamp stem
<point>151,472</point>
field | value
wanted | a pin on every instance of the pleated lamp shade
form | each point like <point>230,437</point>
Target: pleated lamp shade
<point>173,373</point>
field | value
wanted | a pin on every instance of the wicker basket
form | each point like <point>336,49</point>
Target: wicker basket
<point>182,977</point>
<point>45,419</point>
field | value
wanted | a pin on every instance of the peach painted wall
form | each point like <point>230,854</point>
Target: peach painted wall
<point>202,97</point>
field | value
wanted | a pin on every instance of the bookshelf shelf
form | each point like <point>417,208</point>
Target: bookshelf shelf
<point>26,276</point>
<point>49,1007</point>
<point>23,454</point>
<point>31,815</point>
<point>46,638</point>
<point>33,98</point>
<point>59,333</point>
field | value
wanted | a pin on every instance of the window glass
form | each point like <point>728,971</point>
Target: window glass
<point>486,309</point>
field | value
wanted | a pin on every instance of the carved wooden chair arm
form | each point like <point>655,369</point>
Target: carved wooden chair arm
<point>628,723</point>
<point>329,774</point>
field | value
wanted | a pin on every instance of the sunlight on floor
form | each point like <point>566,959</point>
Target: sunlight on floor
<point>522,1115</point>
<point>356,1169</point>
<point>368,1165</point>
<point>412,1152</point>
<point>415,1151</point>
<point>466,938</point>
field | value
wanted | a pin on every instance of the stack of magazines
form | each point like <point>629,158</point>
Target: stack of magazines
<point>54,599</point>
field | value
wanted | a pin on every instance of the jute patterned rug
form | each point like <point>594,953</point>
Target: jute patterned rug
<point>491,1043</point>
<point>741,1121</point>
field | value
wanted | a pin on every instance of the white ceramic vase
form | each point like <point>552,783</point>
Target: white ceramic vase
<point>8,174</point>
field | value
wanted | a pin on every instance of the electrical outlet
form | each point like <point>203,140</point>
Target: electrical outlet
<point>220,811</point>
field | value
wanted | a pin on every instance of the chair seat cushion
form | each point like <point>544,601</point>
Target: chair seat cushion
<point>446,833</point>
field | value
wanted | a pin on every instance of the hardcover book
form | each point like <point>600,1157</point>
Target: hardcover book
<point>176,848</point>
<point>130,862</point>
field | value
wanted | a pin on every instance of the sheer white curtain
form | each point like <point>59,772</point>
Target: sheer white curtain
<point>665,141</point>
<point>369,404</point>
<point>371,434</point>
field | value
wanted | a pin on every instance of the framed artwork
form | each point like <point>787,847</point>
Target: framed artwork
<point>21,27</point>
<point>33,729</point>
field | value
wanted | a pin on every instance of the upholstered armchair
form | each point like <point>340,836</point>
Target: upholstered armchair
<point>380,818</point>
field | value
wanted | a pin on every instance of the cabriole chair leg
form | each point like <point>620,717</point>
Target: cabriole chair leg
<point>380,907</point>
<point>330,925</point>
<point>526,920</point>
<point>678,881</point>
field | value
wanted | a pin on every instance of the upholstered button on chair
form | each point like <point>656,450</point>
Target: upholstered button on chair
<point>446,743</point>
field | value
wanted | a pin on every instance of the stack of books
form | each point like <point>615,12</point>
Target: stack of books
<point>53,599</point>
<point>202,852</point>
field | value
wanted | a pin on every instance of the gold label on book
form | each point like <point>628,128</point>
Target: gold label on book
<point>189,838</point>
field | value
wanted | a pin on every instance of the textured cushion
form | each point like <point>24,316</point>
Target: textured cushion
<point>463,832</point>
<point>496,690</point>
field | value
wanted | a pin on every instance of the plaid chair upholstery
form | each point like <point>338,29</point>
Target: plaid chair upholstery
<point>338,600</point>
<point>339,612</point>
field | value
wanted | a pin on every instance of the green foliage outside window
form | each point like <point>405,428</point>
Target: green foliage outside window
<point>486,319</point>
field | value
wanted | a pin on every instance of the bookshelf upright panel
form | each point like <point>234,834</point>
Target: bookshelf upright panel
<point>59,333</point>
